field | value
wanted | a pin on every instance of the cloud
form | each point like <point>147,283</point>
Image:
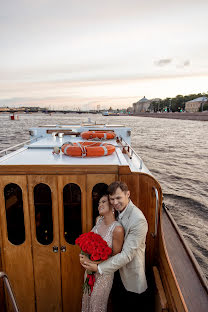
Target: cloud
<point>179,63</point>
<point>186,63</point>
<point>163,62</point>
<point>183,63</point>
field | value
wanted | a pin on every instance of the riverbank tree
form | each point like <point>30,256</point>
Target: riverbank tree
<point>177,104</point>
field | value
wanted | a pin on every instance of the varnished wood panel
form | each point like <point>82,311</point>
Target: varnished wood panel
<point>57,169</point>
<point>171,287</point>
<point>124,170</point>
<point>2,295</point>
<point>66,132</point>
<point>17,259</point>
<point>72,271</point>
<point>72,280</point>
<point>47,270</point>
<point>161,303</point>
<point>194,291</point>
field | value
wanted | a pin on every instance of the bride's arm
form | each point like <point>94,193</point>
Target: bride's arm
<point>118,239</point>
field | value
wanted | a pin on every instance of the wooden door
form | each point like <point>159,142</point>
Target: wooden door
<point>72,215</point>
<point>92,181</point>
<point>16,240</point>
<point>43,199</point>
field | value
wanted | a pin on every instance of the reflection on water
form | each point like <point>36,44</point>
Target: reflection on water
<point>175,151</point>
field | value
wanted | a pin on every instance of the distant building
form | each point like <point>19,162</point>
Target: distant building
<point>194,105</point>
<point>142,105</point>
<point>4,109</point>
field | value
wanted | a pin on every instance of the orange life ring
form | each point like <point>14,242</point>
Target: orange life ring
<point>97,134</point>
<point>87,149</point>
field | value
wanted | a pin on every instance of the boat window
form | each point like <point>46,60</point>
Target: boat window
<point>14,214</point>
<point>72,212</point>
<point>98,190</point>
<point>43,214</point>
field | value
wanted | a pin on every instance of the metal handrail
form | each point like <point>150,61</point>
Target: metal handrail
<point>9,289</point>
<point>156,212</point>
<point>133,152</point>
<point>4,152</point>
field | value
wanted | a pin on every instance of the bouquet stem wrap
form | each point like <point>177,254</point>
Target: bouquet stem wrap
<point>89,280</point>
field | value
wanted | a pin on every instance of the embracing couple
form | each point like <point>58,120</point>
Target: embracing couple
<point>126,235</point>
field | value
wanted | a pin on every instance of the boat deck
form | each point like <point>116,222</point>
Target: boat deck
<point>188,274</point>
<point>40,152</point>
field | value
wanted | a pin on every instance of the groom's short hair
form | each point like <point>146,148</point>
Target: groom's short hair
<point>115,185</point>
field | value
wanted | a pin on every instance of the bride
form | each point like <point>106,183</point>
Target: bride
<point>113,233</point>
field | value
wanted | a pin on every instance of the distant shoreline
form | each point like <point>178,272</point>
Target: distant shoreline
<point>176,115</point>
<point>183,116</point>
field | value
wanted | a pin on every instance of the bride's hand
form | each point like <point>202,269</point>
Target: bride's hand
<point>89,265</point>
<point>83,258</point>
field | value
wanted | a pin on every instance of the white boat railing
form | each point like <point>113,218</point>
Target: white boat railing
<point>15,147</point>
<point>131,151</point>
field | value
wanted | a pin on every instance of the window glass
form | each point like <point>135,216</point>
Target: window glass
<point>14,214</point>
<point>43,214</point>
<point>98,190</point>
<point>72,212</point>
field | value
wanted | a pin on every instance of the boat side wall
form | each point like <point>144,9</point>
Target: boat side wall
<point>174,296</point>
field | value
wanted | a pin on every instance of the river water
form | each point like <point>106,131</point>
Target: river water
<point>175,151</point>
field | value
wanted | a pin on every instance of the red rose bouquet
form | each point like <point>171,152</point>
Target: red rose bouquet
<point>96,249</point>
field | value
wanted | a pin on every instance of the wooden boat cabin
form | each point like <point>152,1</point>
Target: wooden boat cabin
<point>47,199</point>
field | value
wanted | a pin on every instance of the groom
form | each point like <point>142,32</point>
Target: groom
<point>130,280</point>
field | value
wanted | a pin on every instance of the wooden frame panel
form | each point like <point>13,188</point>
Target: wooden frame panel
<point>17,259</point>
<point>47,271</point>
<point>57,169</point>
<point>2,294</point>
<point>72,271</point>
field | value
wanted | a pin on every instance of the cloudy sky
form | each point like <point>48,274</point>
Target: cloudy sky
<point>84,53</point>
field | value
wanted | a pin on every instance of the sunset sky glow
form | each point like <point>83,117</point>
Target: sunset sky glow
<point>73,53</point>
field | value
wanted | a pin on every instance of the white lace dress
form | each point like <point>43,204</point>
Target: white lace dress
<point>98,300</point>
